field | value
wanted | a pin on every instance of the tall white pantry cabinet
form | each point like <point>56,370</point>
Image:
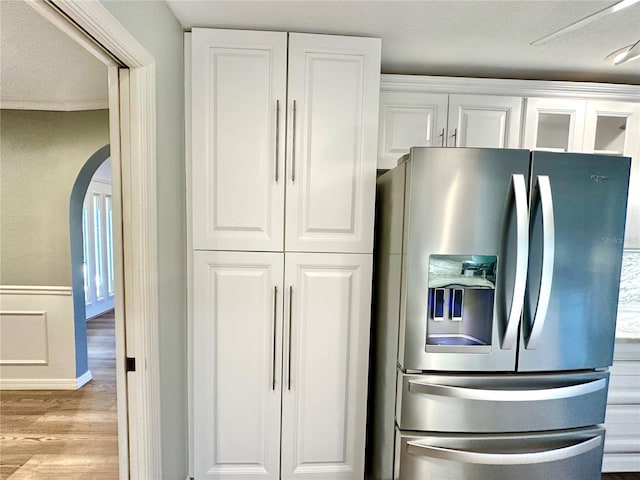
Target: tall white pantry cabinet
<point>283,165</point>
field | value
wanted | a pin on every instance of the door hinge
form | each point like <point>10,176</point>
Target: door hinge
<point>130,364</point>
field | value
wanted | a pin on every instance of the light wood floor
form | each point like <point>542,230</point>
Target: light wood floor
<point>65,434</point>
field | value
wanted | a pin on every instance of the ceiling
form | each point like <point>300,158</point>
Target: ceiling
<point>42,68</point>
<point>453,38</point>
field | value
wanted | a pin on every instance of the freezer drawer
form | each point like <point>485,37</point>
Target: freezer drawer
<point>567,455</point>
<point>501,403</point>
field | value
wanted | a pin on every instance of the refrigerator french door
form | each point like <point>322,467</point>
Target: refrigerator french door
<point>501,240</point>
<point>501,270</point>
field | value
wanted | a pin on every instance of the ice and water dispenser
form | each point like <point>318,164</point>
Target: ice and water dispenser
<point>460,301</point>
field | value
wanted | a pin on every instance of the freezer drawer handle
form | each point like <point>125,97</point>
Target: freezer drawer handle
<point>497,395</point>
<point>548,255</point>
<point>465,456</point>
<point>522,261</point>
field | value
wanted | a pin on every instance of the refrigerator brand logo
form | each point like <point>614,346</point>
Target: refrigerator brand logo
<point>599,178</point>
<point>612,240</point>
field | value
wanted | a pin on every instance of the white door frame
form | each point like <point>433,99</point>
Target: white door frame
<point>132,118</point>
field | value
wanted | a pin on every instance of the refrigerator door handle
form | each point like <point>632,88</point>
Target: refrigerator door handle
<point>504,395</point>
<point>468,456</point>
<point>548,255</point>
<point>522,261</point>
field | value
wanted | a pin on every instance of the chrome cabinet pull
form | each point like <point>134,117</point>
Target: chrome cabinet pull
<point>500,395</point>
<point>275,318</point>
<point>548,256</point>
<point>522,260</point>
<point>469,456</point>
<point>277,136</point>
<point>293,145</point>
<point>455,137</point>
<point>290,316</point>
<point>442,138</point>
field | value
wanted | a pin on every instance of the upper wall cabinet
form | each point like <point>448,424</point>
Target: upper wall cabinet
<point>239,88</point>
<point>258,131</point>
<point>411,119</point>
<point>579,125</point>
<point>554,124</point>
<point>590,126</point>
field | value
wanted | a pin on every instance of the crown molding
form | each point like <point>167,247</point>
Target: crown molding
<point>521,88</point>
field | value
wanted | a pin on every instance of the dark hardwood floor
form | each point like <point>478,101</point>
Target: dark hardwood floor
<point>621,476</point>
<point>65,434</point>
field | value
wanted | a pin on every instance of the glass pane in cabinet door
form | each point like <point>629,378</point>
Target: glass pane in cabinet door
<point>553,131</point>
<point>610,134</point>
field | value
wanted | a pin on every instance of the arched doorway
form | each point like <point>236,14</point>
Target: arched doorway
<point>76,204</point>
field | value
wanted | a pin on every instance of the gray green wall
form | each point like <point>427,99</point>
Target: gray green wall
<point>41,154</point>
<point>157,30</point>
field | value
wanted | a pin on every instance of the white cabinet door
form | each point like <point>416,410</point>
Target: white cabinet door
<point>332,140</point>
<point>614,128</point>
<point>237,355</point>
<point>325,366</point>
<point>484,121</point>
<point>410,119</point>
<point>554,124</point>
<point>238,118</point>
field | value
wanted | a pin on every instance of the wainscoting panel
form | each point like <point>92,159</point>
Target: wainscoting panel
<point>37,346</point>
<point>23,338</point>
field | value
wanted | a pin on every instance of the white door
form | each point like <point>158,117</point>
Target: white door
<point>410,119</point>
<point>325,365</point>
<point>334,87</point>
<point>237,355</point>
<point>238,118</point>
<point>554,124</point>
<point>484,121</point>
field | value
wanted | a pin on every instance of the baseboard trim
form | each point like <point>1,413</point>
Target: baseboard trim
<point>83,379</point>
<point>621,462</point>
<point>45,383</point>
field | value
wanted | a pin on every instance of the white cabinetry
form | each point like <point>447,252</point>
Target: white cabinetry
<point>239,111</point>
<point>326,360</point>
<point>579,125</point>
<point>244,319</point>
<point>412,119</point>
<point>239,84</point>
<point>554,124</point>
<point>237,312</point>
<point>622,442</point>
<point>281,339</point>
<point>590,126</point>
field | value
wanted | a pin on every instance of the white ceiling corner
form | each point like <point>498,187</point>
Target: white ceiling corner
<point>450,37</point>
<point>42,68</point>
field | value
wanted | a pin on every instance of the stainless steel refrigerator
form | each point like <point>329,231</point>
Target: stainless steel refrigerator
<point>497,275</point>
